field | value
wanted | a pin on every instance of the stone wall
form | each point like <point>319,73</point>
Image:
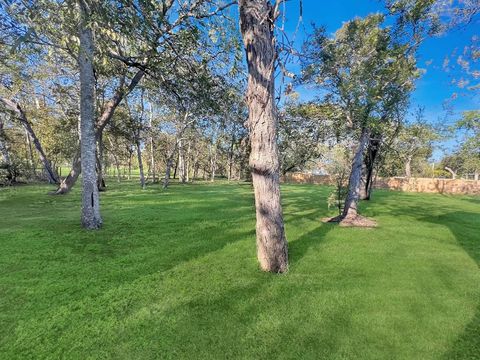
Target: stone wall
<point>301,178</point>
<point>426,185</point>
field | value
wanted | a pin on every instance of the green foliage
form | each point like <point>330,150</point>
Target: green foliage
<point>368,74</point>
<point>302,129</point>
<point>468,151</point>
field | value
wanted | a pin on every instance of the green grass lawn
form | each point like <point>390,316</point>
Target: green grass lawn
<point>173,274</point>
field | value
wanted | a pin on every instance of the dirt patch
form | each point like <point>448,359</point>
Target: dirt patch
<point>352,221</point>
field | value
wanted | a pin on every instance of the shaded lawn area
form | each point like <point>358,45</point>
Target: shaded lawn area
<point>173,274</point>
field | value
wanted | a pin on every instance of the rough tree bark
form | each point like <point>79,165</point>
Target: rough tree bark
<point>22,118</point>
<point>256,24</point>
<point>100,161</point>
<point>350,209</point>
<point>370,161</point>
<point>90,197</point>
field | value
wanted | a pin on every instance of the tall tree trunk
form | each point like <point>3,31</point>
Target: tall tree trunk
<point>3,146</point>
<point>196,164</point>
<point>101,122</point>
<point>181,161</point>
<point>90,197</point>
<point>129,163</point>
<point>408,169</point>
<point>175,170</point>
<point>213,162</point>
<point>115,158</point>
<point>117,166</point>
<point>31,159</point>
<point>140,163</point>
<point>22,117</point>
<point>187,163</point>
<point>152,145</point>
<point>476,175</point>
<point>230,159</point>
<point>168,169</point>
<point>350,209</point>
<point>100,162</point>
<point>370,161</point>
<point>257,24</point>
<point>6,162</point>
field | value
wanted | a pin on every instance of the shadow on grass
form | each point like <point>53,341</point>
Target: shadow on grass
<point>298,249</point>
<point>464,227</point>
<point>467,345</point>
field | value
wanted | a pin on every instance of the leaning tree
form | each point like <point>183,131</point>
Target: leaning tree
<point>368,75</point>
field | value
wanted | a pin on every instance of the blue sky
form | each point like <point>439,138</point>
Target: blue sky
<point>433,89</point>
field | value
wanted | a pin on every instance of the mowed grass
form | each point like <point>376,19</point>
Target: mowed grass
<point>173,275</point>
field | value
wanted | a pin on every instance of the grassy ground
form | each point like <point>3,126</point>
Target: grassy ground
<point>173,274</point>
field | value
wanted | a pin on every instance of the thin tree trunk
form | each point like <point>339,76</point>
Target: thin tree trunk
<point>187,165</point>
<point>230,159</point>
<point>67,183</point>
<point>370,161</point>
<point>6,162</point>
<point>3,146</point>
<point>100,161</point>
<point>196,164</point>
<point>256,25</point>
<point>90,197</point>
<point>350,209</point>
<point>168,169</point>
<point>476,175</point>
<point>31,159</point>
<point>181,161</point>
<point>21,116</point>
<point>117,165</point>
<point>175,170</point>
<point>408,170</point>
<point>115,158</point>
<point>454,174</point>
<point>129,164</point>
<point>140,164</point>
<point>152,145</point>
<point>101,122</point>
<point>213,162</point>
